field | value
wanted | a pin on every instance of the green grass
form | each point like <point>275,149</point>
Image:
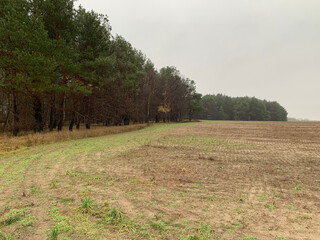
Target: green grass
<point>20,216</point>
<point>87,205</point>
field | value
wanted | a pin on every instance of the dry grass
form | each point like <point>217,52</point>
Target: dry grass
<point>8,144</point>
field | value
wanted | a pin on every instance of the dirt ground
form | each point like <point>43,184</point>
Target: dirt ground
<point>209,180</point>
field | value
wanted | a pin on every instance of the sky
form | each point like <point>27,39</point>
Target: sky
<point>269,49</point>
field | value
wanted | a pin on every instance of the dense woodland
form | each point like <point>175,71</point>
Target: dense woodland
<point>221,107</point>
<point>61,67</point>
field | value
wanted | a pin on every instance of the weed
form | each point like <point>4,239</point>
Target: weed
<point>20,216</point>
<point>4,236</point>
<point>229,229</point>
<point>159,225</point>
<point>276,198</point>
<point>277,167</point>
<point>114,216</point>
<point>261,197</point>
<point>211,197</point>
<point>140,215</point>
<point>53,184</point>
<point>67,200</point>
<point>292,207</point>
<point>72,173</point>
<point>87,205</point>
<point>35,189</point>
<point>53,235</point>
<point>240,198</point>
<point>86,192</point>
<point>281,238</point>
<point>205,231</point>
<point>152,203</point>
<point>192,237</point>
<point>158,216</point>
<point>248,237</point>
<point>27,221</point>
<point>172,204</point>
<point>270,206</point>
<point>238,210</point>
<point>298,188</point>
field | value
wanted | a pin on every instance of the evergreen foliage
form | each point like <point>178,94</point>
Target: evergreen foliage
<point>221,107</point>
<point>60,65</point>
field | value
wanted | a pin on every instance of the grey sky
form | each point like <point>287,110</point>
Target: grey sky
<point>269,49</point>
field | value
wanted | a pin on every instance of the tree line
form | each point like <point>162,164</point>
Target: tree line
<point>61,67</point>
<point>221,107</point>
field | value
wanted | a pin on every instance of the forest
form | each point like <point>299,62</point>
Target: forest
<point>60,67</point>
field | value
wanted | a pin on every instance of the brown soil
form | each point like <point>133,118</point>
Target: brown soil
<point>244,179</point>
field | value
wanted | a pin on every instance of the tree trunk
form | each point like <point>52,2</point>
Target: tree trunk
<point>52,122</point>
<point>72,122</point>
<point>148,109</point>
<point>60,117</point>
<point>126,121</point>
<point>78,122</point>
<point>61,104</point>
<point>37,107</point>
<point>15,116</point>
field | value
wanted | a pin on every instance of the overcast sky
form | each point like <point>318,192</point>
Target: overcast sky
<point>269,49</point>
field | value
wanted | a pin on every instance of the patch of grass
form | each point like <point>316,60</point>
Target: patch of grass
<point>20,216</point>
<point>171,204</point>
<point>67,200</point>
<point>53,235</point>
<point>261,197</point>
<point>35,189</point>
<point>192,237</point>
<point>159,226</point>
<point>158,216</point>
<point>229,229</point>
<point>8,144</point>
<point>140,215</point>
<point>281,238</point>
<point>205,231</point>
<point>4,236</point>
<point>114,216</point>
<point>87,205</point>
<point>292,207</point>
<point>211,197</point>
<point>53,184</point>
<point>61,222</point>
<point>248,237</point>
<point>72,173</point>
<point>270,206</point>
<point>298,188</point>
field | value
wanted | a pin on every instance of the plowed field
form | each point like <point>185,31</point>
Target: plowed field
<point>207,180</point>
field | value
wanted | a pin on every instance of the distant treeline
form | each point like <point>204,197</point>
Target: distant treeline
<point>61,66</point>
<point>221,107</point>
